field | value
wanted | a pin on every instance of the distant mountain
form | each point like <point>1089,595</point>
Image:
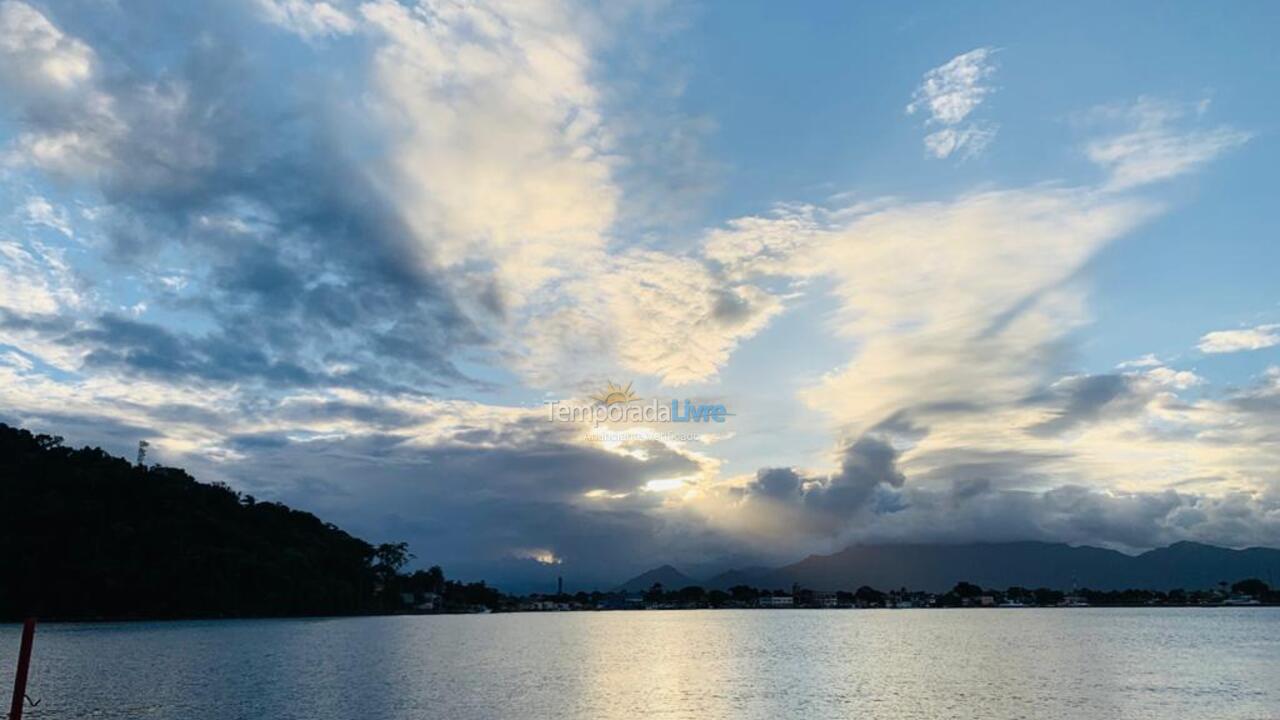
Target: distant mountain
<point>758,576</point>
<point>999,565</point>
<point>711,567</point>
<point>669,577</point>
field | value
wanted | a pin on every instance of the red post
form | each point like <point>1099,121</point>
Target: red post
<point>24,663</point>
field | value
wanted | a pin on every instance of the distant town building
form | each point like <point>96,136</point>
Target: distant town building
<point>776,601</point>
<point>826,598</point>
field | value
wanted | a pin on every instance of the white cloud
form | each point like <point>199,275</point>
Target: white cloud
<point>16,360</point>
<point>501,157</point>
<point>953,302</point>
<point>1176,379</point>
<point>500,162</point>
<point>504,166</point>
<point>39,211</point>
<point>35,279</point>
<point>960,312</point>
<point>948,94</point>
<point>1146,361</point>
<point>37,55</point>
<point>87,126</point>
<point>308,18</point>
<point>650,313</point>
<point>1152,148</point>
<point>966,141</point>
<point>1229,341</point>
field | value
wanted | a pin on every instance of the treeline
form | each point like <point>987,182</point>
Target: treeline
<point>963,594</point>
<point>429,591</point>
<point>84,534</point>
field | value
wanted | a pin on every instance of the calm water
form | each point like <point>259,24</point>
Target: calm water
<point>1085,663</point>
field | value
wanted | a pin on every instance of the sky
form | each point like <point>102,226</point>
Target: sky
<point>919,272</point>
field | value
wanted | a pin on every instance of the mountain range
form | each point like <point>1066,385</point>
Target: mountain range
<point>937,568</point>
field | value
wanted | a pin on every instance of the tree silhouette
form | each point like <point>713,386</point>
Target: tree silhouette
<point>86,535</point>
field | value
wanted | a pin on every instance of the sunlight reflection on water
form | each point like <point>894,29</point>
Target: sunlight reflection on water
<point>1086,663</point>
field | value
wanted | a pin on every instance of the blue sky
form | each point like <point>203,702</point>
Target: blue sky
<point>959,273</point>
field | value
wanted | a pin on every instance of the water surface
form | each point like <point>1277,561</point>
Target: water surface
<point>1018,663</point>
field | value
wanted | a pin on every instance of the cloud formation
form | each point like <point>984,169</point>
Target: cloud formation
<point>1229,341</point>
<point>308,18</point>
<point>38,56</point>
<point>948,95</point>
<point>961,314</point>
<point>1155,143</point>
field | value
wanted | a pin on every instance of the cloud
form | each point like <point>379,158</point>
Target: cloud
<point>968,141</point>
<point>34,278</point>
<point>296,267</point>
<point>1084,399</point>
<point>953,90</point>
<point>960,316</point>
<point>1229,341</point>
<point>949,94</point>
<point>308,18</point>
<point>1152,146</point>
<point>500,158</point>
<point>1148,360</point>
<point>948,485</point>
<point>666,316</point>
<point>1079,515</point>
<point>477,221</point>
<point>1176,379</point>
<point>872,499</point>
<point>40,212</point>
<point>951,304</point>
<point>433,473</point>
<point>37,56</point>
<point>786,506</point>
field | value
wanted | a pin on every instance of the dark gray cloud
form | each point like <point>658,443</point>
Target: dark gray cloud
<point>238,174</point>
<point>778,483</point>
<point>120,343</point>
<point>998,467</point>
<point>866,479</point>
<point>869,464</point>
<point>974,511</point>
<point>478,508</point>
<point>1082,399</point>
<point>970,495</point>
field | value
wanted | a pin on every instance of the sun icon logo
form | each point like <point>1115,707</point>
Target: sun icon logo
<point>615,395</point>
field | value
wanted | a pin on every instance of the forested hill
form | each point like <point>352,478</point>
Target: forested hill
<point>87,535</point>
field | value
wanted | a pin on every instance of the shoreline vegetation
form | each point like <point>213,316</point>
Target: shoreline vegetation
<point>86,536</point>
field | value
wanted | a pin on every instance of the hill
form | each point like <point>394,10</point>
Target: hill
<point>1028,564</point>
<point>667,576</point>
<point>87,535</point>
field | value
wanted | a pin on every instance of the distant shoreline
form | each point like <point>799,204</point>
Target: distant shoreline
<point>265,618</point>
